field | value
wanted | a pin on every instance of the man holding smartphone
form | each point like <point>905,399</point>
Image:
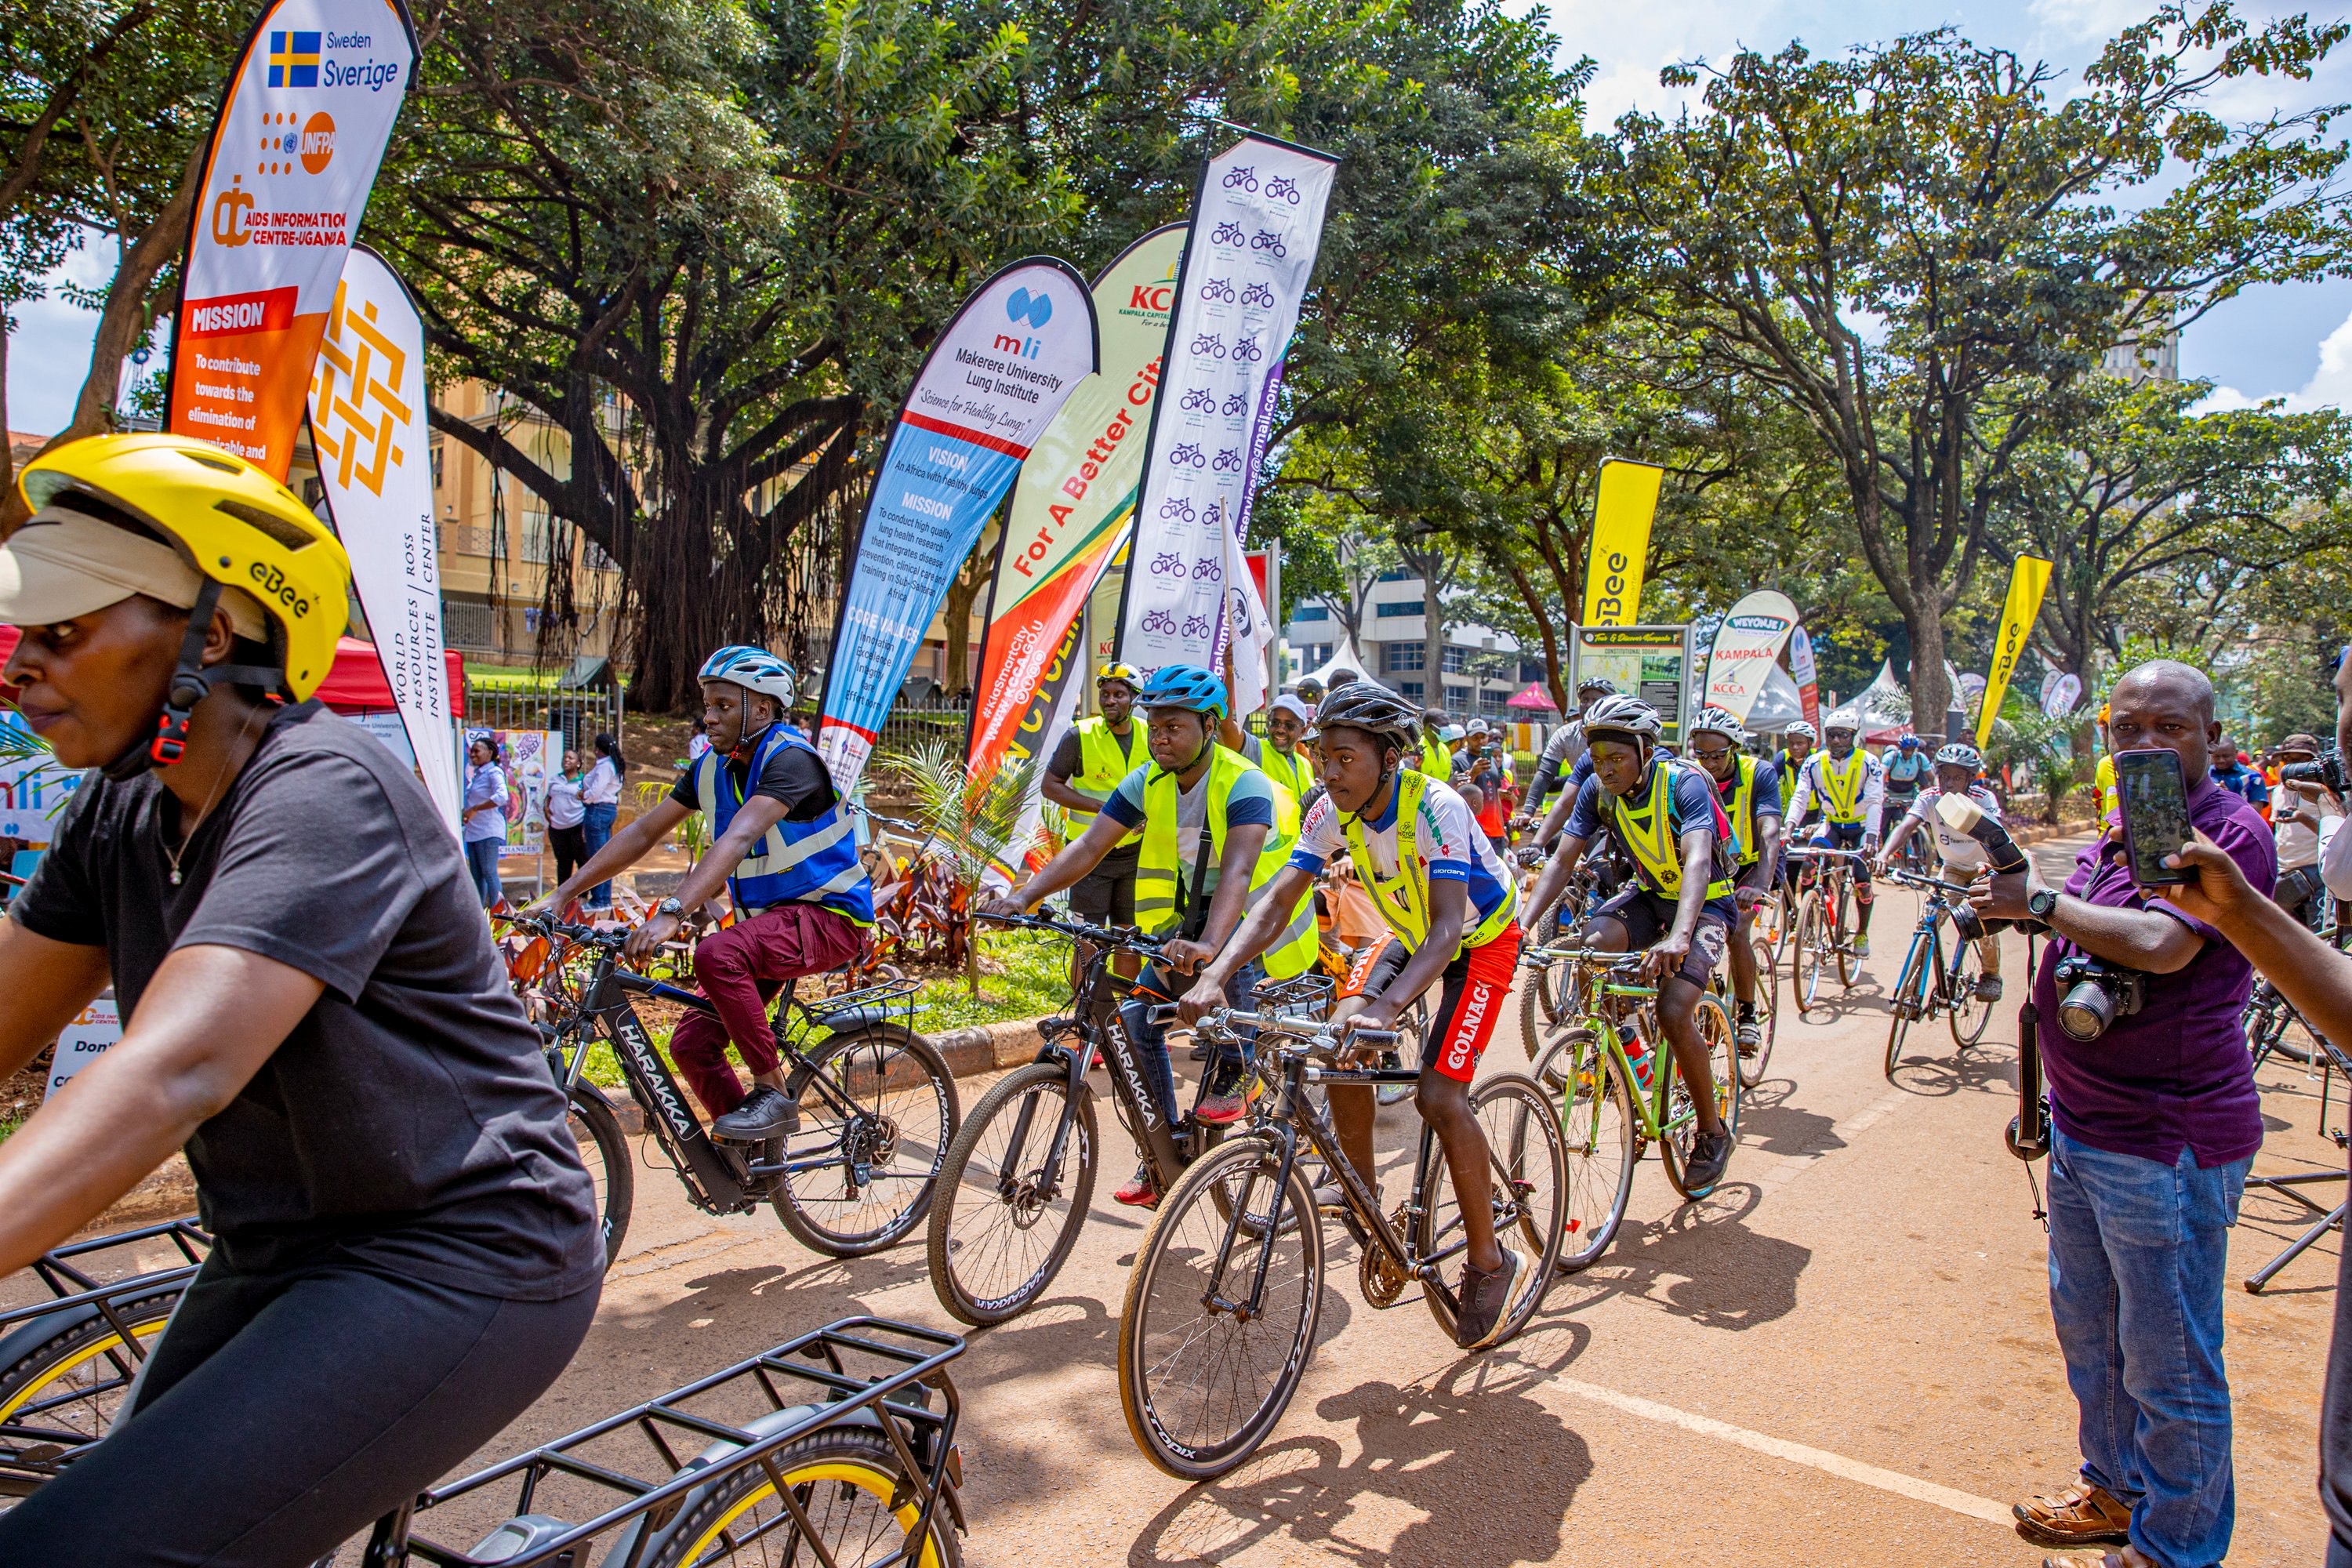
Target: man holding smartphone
<point>2155,1124</point>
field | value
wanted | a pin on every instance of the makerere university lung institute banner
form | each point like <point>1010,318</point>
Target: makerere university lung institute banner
<point>999,373</point>
<point>294,154</point>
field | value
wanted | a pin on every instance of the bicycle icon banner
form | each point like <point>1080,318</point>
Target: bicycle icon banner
<point>1257,219</point>
<point>996,378</point>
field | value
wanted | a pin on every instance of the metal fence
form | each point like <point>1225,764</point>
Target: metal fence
<point>579,715</point>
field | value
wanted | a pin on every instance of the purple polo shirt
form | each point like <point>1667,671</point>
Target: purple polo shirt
<point>2177,1071</point>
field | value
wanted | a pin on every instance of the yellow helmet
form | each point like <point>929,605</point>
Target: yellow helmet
<point>232,522</point>
<point>1126,672</point>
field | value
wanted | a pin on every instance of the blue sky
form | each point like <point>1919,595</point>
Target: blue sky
<point>2294,342</point>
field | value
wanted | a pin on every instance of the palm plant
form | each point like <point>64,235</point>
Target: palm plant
<point>2024,736</point>
<point>973,822</point>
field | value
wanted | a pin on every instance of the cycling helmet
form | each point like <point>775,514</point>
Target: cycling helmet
<point>1373,708</point>
<point>1624,716</point>
<point>1600,683</point>
<point>1714,720</point>
<point>231,526</point>
<point>755,669</point>
<point>1909,743</point>
<point>1961,754</point>
<point>1801,731</point>
<point>1184,686</point>
<point>1127,673</point>
<point>1831,726</point>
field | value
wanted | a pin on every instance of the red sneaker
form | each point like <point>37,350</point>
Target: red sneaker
<point>1140,1191</point>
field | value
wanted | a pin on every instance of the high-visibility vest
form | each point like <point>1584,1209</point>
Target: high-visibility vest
<point>1841,788</point>
<point>1746,848</point>
<point>1157,868</point>
<point>811,862</point>
<point>1403,898</point>
<point>1647,831</point>
<point>1104,762</point>
<point>1436,759</point>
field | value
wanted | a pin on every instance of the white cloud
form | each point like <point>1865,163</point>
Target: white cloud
<point>2330,385</point>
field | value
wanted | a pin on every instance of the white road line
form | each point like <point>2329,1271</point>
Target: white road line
<point>1821,1460</point>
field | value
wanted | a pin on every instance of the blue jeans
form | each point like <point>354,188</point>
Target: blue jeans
<point>598,822</point>
<point>2139,1252</point>
<point>1156,988</point>
<point>482,860</point>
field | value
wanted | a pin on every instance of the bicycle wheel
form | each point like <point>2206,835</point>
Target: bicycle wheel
<point>1771,926</point>
<point>1968,1014</point>
<point>1001,1224</point>
<point>1843,932</point>
<point>69,1372</point>
<point>1768,1018</point>
<point>877,1165</point>
<point>1811,949</point>
<point>2265,1019</point>
<point>1528,1161</point>
<point>1201,1385</point>
<point>860,1503</point>
<point>612,1164</point>
<point>1909,1000</point>
<point>1722,1060</point>
<point>1596,1123</point>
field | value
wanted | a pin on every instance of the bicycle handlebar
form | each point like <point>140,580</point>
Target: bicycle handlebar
<point>1821,852</point>
<point>1539,957</point>
<point>1914,879</point>
<point>1101,936</point>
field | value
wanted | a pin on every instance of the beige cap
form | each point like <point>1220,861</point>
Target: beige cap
<point>63,563</point>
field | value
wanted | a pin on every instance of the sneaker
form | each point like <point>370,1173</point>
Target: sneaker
<point>1222,1106</point>
<point>1198,1054</point>
<point>1141,1193</point>
<point>765,1113</point>
<point>1750,1036</point>
<point>1485,1297</point>
<point>1862,945</point>
<point>1710,1156</point>
<point>1988,988</point>
<point>1331,1198</point>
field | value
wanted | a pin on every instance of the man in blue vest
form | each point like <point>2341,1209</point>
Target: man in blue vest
<point>782,849</point>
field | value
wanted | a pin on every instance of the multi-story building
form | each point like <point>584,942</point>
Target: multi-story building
<point>1474,671</point>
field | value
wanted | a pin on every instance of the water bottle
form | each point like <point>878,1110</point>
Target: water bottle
<point>1640,1059</point>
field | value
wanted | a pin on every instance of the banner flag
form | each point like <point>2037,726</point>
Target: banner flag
<point>2027,580</point>
<point>294,154</point>
<point>1746,647</point>
<point>1073,502</point>
<point>2060,692</point>
<point>1257,221</point>
<point>1800,670</point>
<point>1620,556</point>
<point>1001,369</point>
<point>1245,641</point>
<point>375,461</point>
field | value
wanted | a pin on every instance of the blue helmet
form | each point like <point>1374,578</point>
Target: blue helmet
<point>1185,686</point>
<point>754,668</point>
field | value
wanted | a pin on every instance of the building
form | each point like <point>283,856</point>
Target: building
<point>1474,673</point>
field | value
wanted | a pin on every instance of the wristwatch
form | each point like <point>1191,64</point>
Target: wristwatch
<point>672,908</point>
<point>2039,902</point>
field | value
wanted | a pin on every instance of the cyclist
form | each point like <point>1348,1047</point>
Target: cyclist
<point>784,850</point>
<point>1215,833</point>
<point>1562,750</point>
<point>1959,770</point>
<point>1748,789</point>
<point>1093,757</point>
<point>1907,772</point>
<point>407,1250</point>
<point>1444,895</point>
<point>1850,787</point>
<point>1665,816</point>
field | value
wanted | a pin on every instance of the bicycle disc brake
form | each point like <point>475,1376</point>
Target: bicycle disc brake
<point>1382,1277</point>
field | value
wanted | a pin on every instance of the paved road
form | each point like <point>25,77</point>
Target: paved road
<point>1843,1357</point>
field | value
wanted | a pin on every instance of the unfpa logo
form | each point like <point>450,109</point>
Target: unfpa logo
<point>293,59</point>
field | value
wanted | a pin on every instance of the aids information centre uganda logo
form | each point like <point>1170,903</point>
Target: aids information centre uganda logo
<point>357,411</point>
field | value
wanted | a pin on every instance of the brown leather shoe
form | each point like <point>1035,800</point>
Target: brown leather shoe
<point>2129,1557</point>
<point>2086,1516</point>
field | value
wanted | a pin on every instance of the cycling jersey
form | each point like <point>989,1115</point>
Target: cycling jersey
<point>1850,793</point>
<point>1446,846</point>
<point>1906,772</point>
<point>1687,796</point>
<point>1963,856</point>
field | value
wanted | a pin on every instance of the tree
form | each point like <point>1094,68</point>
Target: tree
<point>1917,246</point>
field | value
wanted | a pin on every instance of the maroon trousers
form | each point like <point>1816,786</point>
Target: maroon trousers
<point>740,968</point>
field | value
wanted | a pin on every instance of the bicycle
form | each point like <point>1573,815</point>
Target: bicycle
<point>1768,1003</point>
<point>1930,982</point>
<point>1018,1177</point>
<point>1823,936</point>
<point>1608,1116</point>
<point>1228,1283</point>
<point>67,1364</point>
<point>881,1100</point>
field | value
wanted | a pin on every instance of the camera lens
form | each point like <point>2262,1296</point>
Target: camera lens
<point>2086,1011</point>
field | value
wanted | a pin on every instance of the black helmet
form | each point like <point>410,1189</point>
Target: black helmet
<point>1371,708</point>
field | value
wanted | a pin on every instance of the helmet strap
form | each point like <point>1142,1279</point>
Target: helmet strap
<point>192,683</point>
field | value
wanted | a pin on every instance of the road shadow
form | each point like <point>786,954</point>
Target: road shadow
<point>1427,1459</point>
<point>1941,1069</point>
<point>1703,1261</point>
<point>1770,1125</point>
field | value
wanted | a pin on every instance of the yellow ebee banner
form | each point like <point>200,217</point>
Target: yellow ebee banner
<point>1621,542</point>
<point>2031,576</point>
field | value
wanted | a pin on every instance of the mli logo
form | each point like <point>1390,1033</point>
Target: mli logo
<point>1022,306</point>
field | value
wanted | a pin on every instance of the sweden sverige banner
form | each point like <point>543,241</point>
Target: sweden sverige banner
<point>1001,370</point>
<point>1071,509</point>
<point>301,132</point>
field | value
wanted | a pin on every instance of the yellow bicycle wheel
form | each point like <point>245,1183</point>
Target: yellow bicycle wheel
<point>842,1482</point>
<point>68,1379</point>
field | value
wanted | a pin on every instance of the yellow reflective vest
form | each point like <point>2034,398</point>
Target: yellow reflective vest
<point>1403,898</point>
<point>1647,831</point>
<point>1842,787</point>
<point>1158,869</point>
<point>1104,762</point>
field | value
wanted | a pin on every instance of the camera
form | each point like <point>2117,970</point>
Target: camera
<point>2094,995</point>
<point>2327,768</point>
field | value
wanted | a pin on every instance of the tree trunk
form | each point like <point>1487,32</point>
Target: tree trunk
<point>1555,677</point>
<point>977,570</point>
<point>1931,694</point>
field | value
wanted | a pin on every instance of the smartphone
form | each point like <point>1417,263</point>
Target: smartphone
<point>2154,812</point>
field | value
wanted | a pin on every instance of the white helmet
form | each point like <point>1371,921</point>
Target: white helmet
<point>1625,716</point>
<point>1961,754</point>
<point>756,670</point>
<point>1802,729</point>
<point>1716,722</point>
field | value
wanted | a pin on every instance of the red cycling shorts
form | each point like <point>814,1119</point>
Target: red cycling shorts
<point>1476,984</point>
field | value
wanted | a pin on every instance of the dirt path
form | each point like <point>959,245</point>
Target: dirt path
<point>1843,1357</point>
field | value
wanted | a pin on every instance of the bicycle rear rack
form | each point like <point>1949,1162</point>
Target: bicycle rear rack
<point>896,1400</point>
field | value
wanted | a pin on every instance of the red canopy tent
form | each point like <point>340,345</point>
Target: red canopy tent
<point>355,682</point>
<point>1534,699</point>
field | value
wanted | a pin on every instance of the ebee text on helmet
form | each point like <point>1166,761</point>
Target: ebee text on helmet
<point>273,584</point>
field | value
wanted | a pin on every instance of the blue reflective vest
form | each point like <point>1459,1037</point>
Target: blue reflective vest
<point>811,862</point>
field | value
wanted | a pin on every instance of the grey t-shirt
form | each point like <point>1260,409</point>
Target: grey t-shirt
<point>409,1122</point>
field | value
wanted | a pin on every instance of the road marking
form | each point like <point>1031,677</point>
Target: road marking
<point>1821,1460</point>
<point>1788,1167</point>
